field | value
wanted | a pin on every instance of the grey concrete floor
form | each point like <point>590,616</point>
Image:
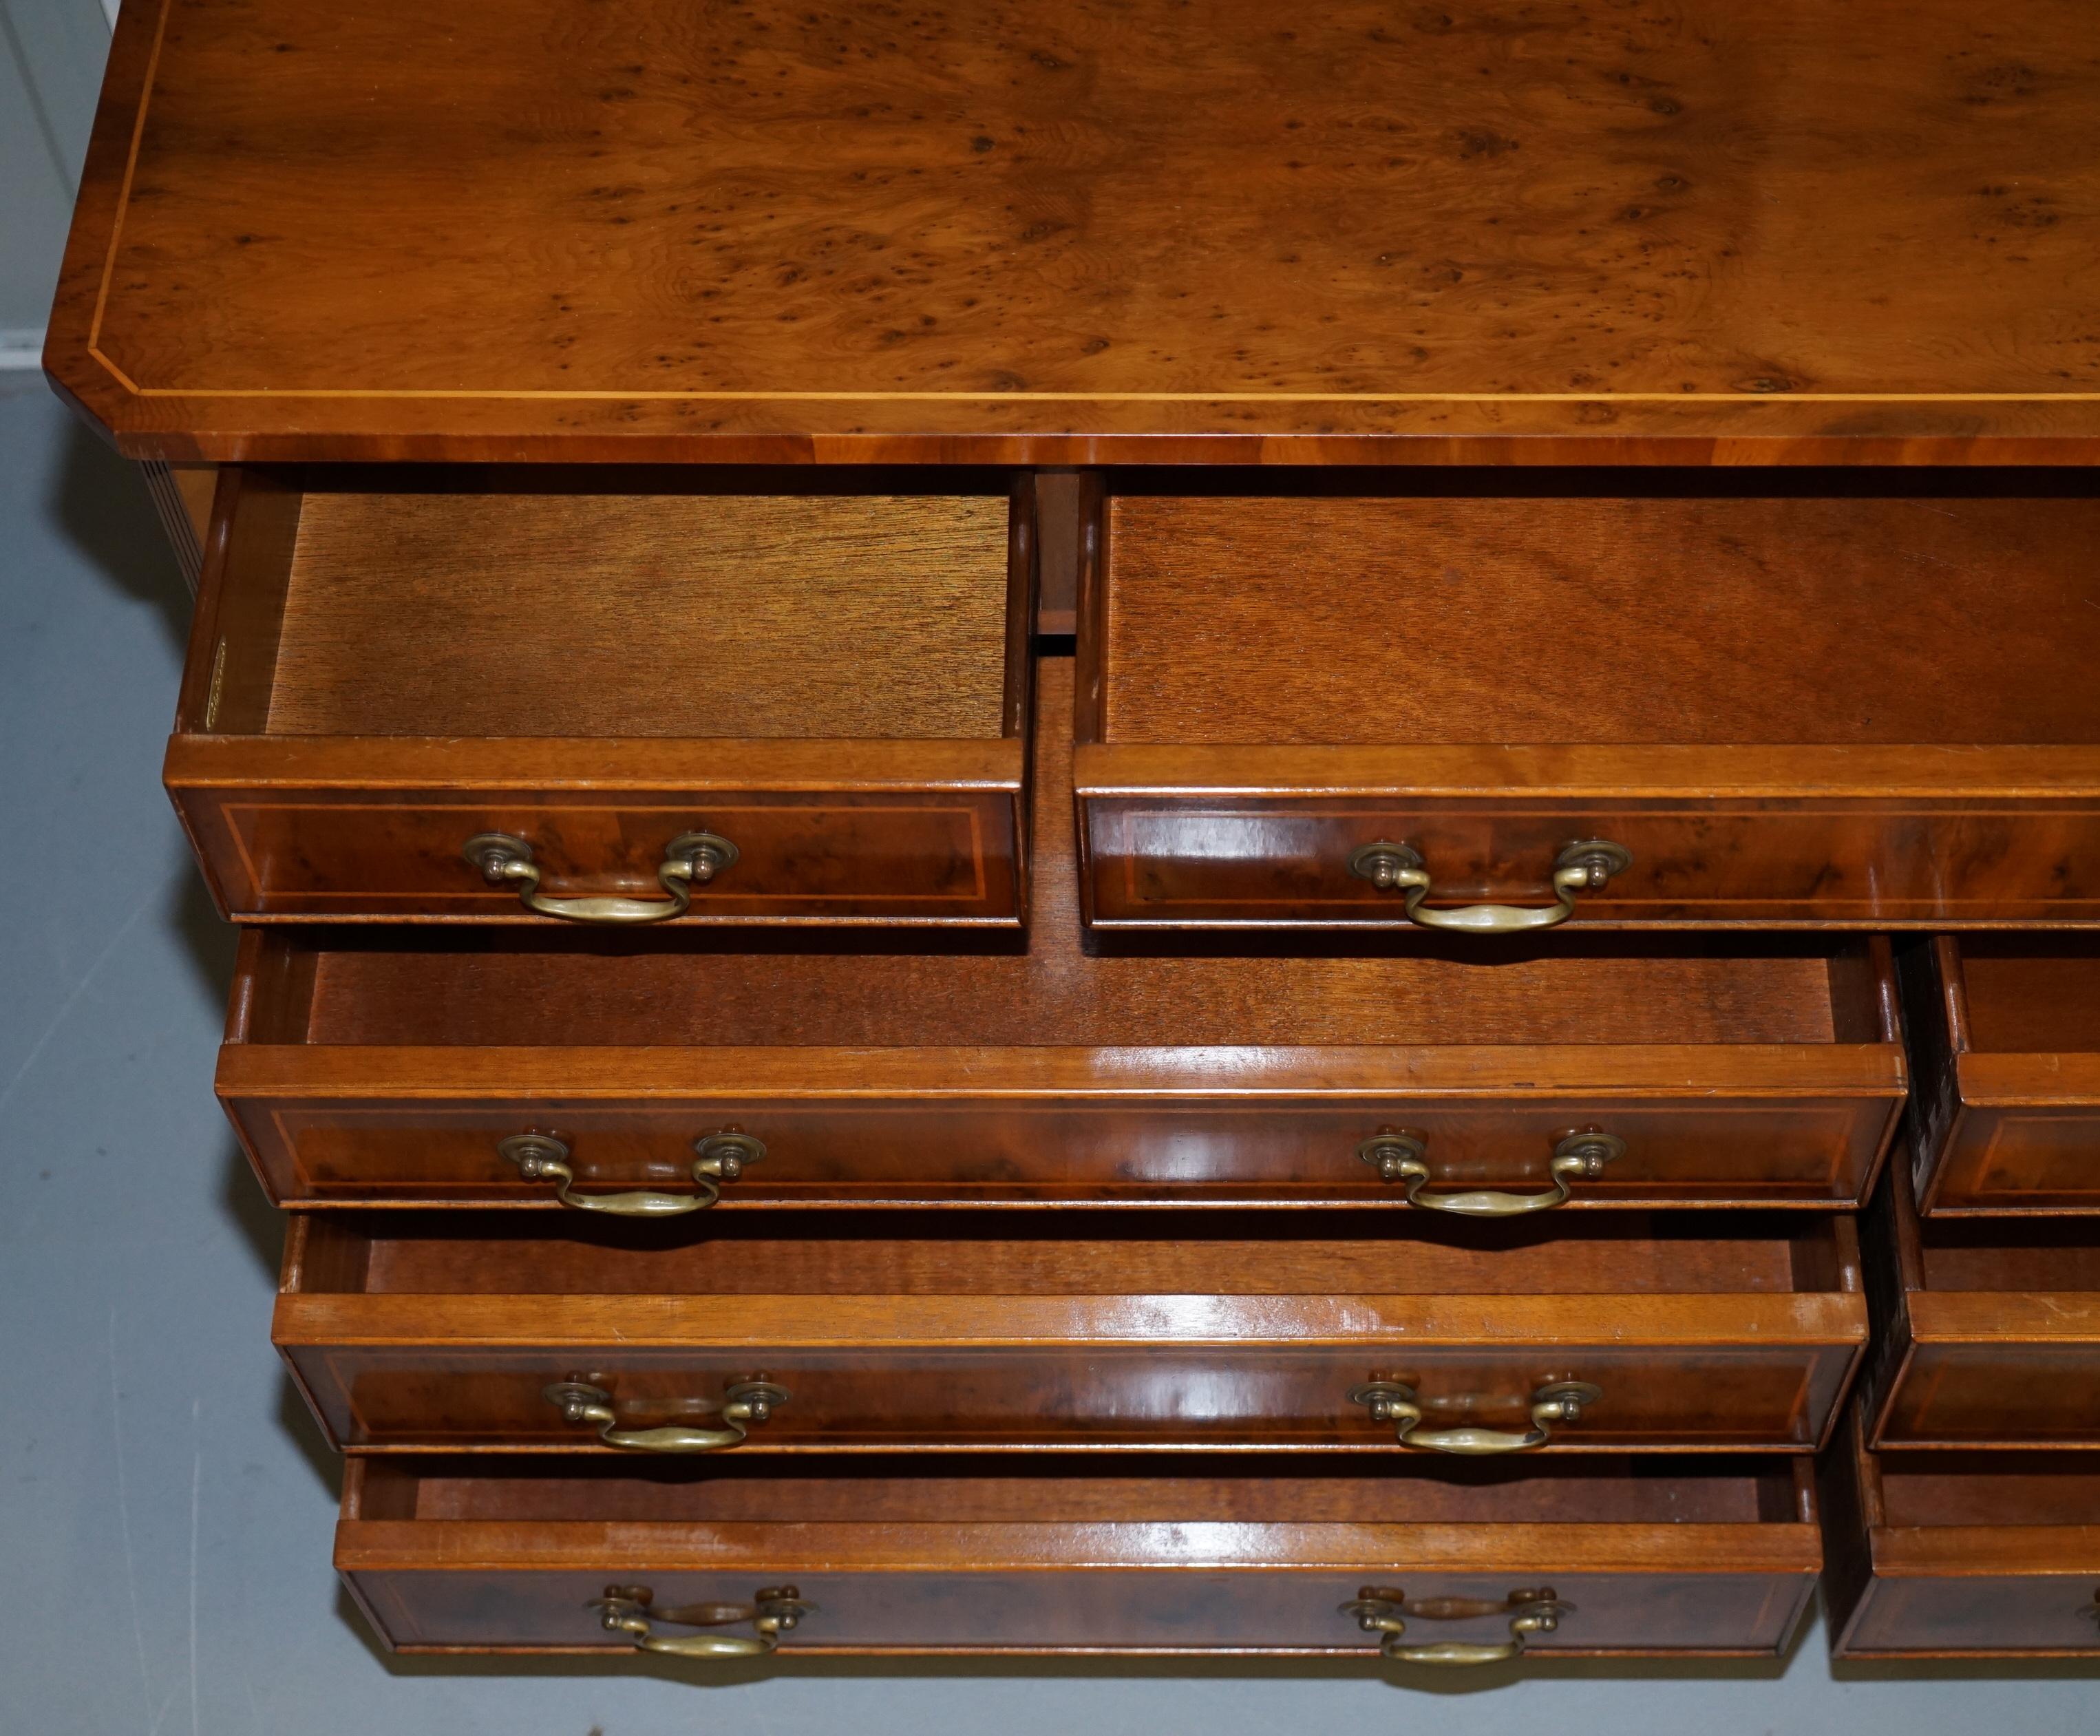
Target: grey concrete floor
<point>165,1505</point>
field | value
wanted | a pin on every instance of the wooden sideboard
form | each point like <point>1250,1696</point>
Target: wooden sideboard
<point>1085,830</point>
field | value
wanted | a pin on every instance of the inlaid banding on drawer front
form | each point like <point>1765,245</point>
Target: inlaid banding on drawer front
<point>344,859</point>
<point>587,670</point>
<point>412,1331</point>
<point>869,1152</point>
<point>1712,1556</point>
<point>1724,707</point>
<point>1796,858</point>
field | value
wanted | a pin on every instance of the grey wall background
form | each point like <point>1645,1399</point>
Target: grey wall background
<point>165,1505</point>
<point>52,53</point>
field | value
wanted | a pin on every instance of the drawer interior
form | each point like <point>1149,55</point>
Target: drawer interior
<point>376,986</point>
<point>1608,1489</point>
<point>2017,1254</point>
<point>2031,994</point>
<point>467,602</point>
<point>1079,1253</point>
<point>1560,609</point>
<point>1959,1488</point>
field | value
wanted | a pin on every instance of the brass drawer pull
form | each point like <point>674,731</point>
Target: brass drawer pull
<point>1579,868</point>
<point>745,1405</point>
<point>1394,1401</point>
<point>1402,1155</point>
<point>1380,1610</point>
<point>721,1158</point>
<point>690,860</point>
<point>778,1610</point>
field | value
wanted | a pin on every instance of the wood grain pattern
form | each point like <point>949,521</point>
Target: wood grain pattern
<point>1291,620</point>
<point>2005,1033</point>
<point>757,617</point>
<point>375,1069</point>
<point>1112,1336</point>
<point>1716,1557</point>
<point>1070,233</point>
<point>1958,1554</point>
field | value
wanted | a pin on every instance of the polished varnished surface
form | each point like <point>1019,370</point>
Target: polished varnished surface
<point>497,1555</point>
<point>1069,232</point>
<point>1960,1554</point>
<point>1243,1332</point>
<point>368,1067</point>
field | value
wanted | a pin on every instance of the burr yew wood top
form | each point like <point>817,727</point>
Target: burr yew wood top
<point>1016,230</point>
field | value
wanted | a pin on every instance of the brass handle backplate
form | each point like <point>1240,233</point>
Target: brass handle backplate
<point>690,860</point>
<point>1580,868</point>
<point>1402,1155</point>
<point>1381,1610</point>
<point>1396,1401</point>
<point>772,1612</point>
<point>745,1405</point>
<point>718,1158</point>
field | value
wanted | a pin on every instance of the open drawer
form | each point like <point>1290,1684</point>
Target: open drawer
<point>1960,1554</point>
<point>1615,1331</point>
<point>374,1066</point>
<point>1780,703</point>
<point>2004,1032</point>
<point>616,696</point>
<point>1442,1562</point>
<point>1987,1330</point>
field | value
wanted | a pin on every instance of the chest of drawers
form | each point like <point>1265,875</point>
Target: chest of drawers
<point>1085,831</point>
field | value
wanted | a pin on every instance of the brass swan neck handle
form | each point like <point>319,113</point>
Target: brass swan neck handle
<point>1402,1155</point>
<point>1580,868</point>
<point>746,1404</point>
<point>772,1612</point>
<point>690,860</point>
<point>1396,1401</point>
<point>717,1158</point>
<point>1384,1612</point>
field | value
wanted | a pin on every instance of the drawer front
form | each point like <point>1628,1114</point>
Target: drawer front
<point>1093,1394</point>
<point>928,856</point>
<point>1772,862</point>
<point>1058,1607</point>
<point>2039,1614</point>
<point>1997,1393</point>
<point>2042,1157</point>
<point>1814,1152</point>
